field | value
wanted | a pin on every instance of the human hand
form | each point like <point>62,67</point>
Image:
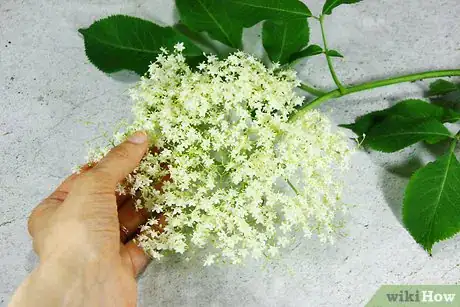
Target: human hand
<point>84,261</point>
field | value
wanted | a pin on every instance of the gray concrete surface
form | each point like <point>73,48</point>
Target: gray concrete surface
<point>49,93</point>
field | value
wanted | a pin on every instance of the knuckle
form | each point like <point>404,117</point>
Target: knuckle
<point>34,217</point>
<point>57,196</point>
<point>96,179</point>
<point>102,198</point>
<point>101,217</point>
<point>86,178</point>
<point>31,223</point>
<point>120,153</point>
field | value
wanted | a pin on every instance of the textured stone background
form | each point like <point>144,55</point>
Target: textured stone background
<point>52,100</point>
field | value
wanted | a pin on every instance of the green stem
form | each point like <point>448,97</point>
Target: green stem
<point>453,145</point>
<point>292,187</point>
<point>309,89</point>
<point>328,58</point>
<point>373,84</point>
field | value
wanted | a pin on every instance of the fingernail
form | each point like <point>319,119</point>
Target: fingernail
<point>139,137</point>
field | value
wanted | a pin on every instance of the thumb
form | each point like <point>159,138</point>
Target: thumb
<point>120,161</point>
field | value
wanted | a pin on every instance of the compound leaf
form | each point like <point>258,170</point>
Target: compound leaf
<point>396,132</point>
<point>332,4</point>
<point>212,17</point>
<point>123,42</point>
<point>334,53</point>
<point>282,39</point>
<point>442,87</point>
<point>431,210</point>
<point>410,108</point>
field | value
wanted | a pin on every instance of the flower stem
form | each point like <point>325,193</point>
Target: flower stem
<point>371,85</point>
<point>328,58</point>
<point>309,89</point>
<point>292,186</point>
<point>453,145</point>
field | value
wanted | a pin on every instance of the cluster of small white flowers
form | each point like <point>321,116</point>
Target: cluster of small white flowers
<point>242,177</point>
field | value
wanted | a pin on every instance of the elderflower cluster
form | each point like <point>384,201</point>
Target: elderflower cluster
<point>241,178</point>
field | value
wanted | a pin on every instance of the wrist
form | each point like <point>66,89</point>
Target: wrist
<point>45,286</point>
<point>60,282</point>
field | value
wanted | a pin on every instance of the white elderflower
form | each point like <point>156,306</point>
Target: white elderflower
<point>242,177</point>
<point>209,260</point>
<point>179,47</point>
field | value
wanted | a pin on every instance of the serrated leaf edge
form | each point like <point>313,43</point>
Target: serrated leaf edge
<point>308,14</point>
<point>415,176</point>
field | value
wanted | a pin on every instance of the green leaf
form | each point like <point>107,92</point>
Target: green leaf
<point>442,87</point>
<point>396,132</point>
<point>224,20</point>
<point>404,124</point>
<point>445,94</point>
<point>211,16</point>
<point>431,209</point>
<point>307,52</point>
<point>411,108</point>
<point>334,53</point>
<point>332,4</point>
<point>251,12</point>
<point>123,42</point>
<point>282,39</point>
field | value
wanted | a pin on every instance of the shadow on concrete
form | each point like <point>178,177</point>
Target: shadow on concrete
<point>393,180</point>
<point>125,76</point>
<point>395,175</point>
